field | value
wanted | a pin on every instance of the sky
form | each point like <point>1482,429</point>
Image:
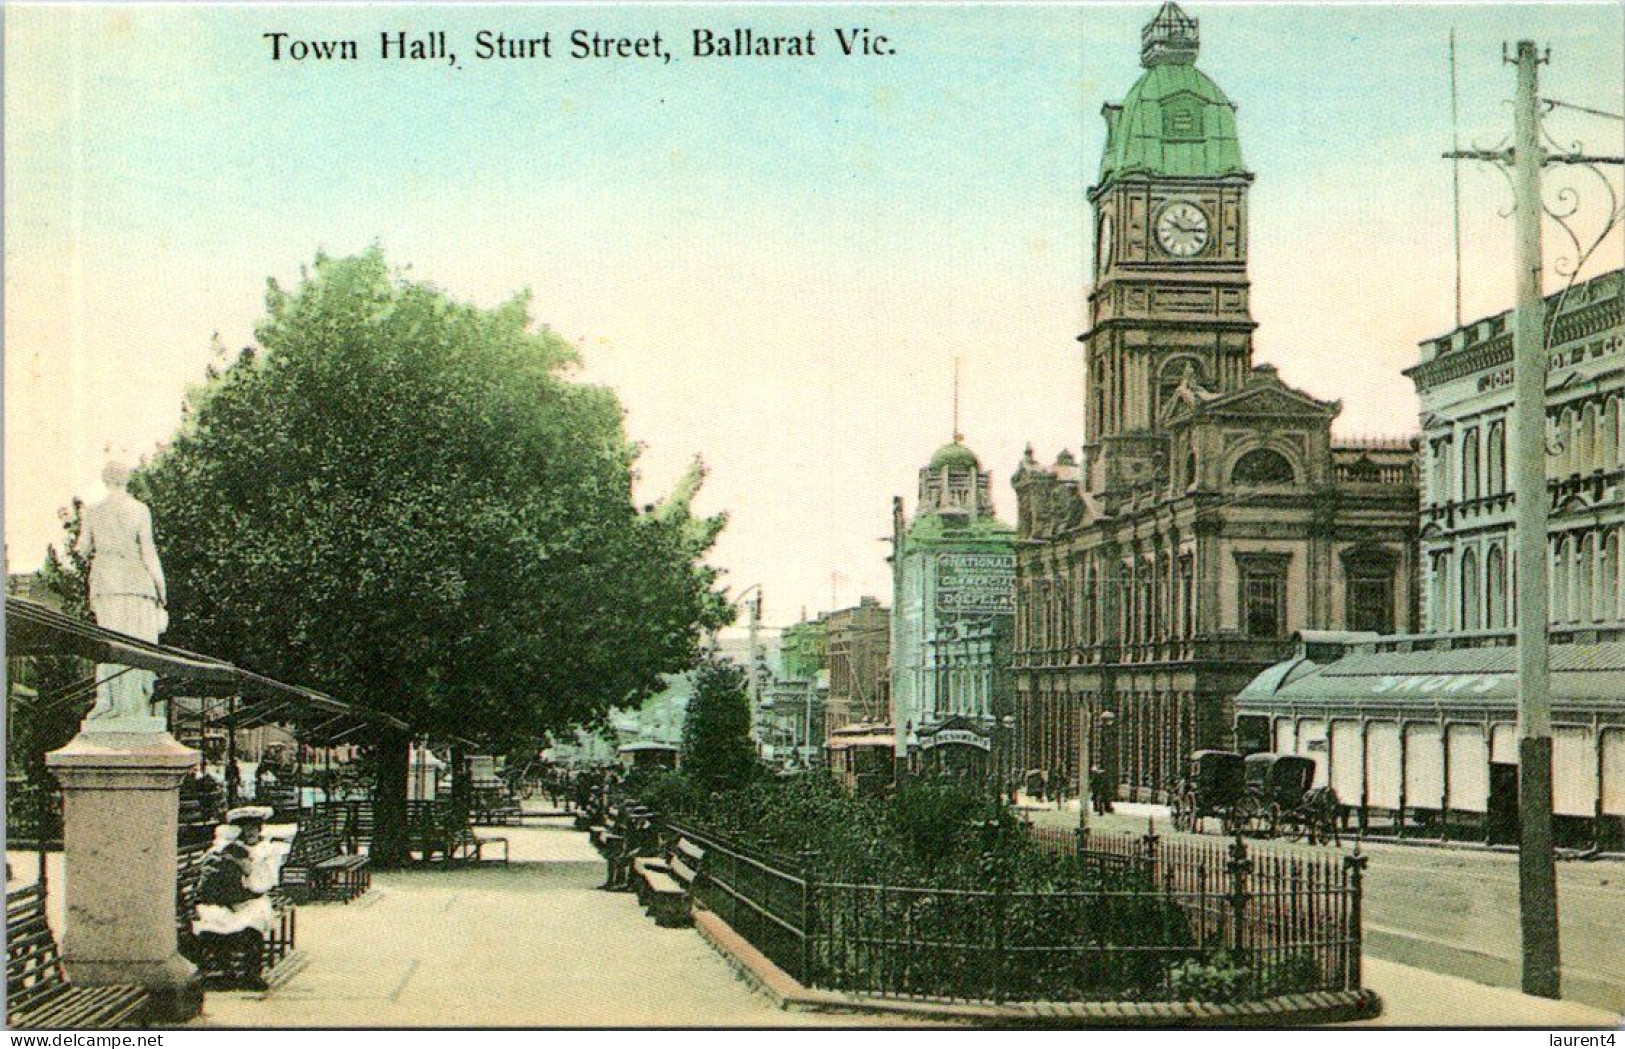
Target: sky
<point>774,262</point>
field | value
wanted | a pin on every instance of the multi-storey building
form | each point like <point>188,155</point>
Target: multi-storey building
<point>953,609</point>
<point>858,644</point>
<point>1418,735</point>
<point>1212,514</point>
<point>1464,380</point>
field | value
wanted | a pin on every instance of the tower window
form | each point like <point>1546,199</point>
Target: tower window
<point>1182,122</point>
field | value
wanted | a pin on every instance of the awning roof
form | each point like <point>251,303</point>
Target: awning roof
<point>35,629</point>
<point>1581,675</point>
<point>843,742</point>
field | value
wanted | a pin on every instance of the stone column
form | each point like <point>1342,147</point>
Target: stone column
<point>121,810</point>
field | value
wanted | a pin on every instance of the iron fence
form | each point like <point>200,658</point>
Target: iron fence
<point>1295,921</point>
<point>764,898</point>
<point>1155,920</point>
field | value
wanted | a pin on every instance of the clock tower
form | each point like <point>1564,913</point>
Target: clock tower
<point>1169,303</point>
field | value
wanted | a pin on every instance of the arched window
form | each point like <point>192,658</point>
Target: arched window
<point>1562,601</point>
<point>1470,618</point>
<point>1098,397</point>
<point>1469,465</point>
<point>1586,455</point>
<point>1567,461</point>
<point>1441,492</point>
<point>1091,611</point>
<point>1161,632</point>
<point>1608,584</point>
<point>1609,452</point>
<point>1495,590</point>
<point>1187,596</point>
<point>1496,456</point>
<point>1262,466</point>
<point>1585,579</point>
<point>1439,593</point>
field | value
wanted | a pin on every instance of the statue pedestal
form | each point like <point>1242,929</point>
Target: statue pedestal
<point>121,811</point>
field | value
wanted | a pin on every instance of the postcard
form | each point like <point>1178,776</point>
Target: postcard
<point>1057,515</point>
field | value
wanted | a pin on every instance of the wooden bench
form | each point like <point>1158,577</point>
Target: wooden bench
<point>664,882</point>
<point>220,959</point>
<point>662,895</point>
<point>38,994</point>
<point>436,829</point>
<point>686,857</point>
<point>498,812</point>
<point>318,868</point>
<point>351,820</point>
<point>466,846</point>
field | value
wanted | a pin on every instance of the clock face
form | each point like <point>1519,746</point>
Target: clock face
<point>1182,229</point>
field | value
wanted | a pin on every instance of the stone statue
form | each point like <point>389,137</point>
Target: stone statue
<point>126,594</point>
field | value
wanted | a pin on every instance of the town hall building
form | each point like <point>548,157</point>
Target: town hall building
<point>1212,515</point>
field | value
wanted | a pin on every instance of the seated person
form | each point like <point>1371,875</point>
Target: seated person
<point>238,872</point>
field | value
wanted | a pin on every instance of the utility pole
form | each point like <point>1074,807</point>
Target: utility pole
<point>755,662</point>
<point>1537,864</point>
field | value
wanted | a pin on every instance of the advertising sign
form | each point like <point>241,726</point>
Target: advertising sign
<point>977,583</point>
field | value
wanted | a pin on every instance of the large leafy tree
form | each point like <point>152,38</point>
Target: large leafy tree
<point>718,753</point>
<point>406,501</point>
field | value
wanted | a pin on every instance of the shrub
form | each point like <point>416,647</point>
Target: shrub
<point>1297,973</point>
<point>1221,978</point>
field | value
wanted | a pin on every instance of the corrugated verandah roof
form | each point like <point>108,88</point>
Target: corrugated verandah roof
<point>1589,674</point>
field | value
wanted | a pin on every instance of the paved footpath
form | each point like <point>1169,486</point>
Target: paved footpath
<point>535,944</point>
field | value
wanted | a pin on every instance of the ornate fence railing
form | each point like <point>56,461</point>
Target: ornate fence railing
<point>766,899</point>
<point>1292,919</point>
<point>1169,921</point>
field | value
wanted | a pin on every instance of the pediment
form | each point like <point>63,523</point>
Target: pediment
<point>1272,399</point>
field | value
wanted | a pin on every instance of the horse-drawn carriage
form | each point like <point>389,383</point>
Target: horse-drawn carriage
<point>1264,794</point>
<point>1214,787</point>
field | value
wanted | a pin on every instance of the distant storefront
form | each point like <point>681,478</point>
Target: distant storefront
<point>1419,738</point>
<point>860,757</point>
<point>956,747</point>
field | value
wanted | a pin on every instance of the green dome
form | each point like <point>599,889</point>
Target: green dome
<point>955,456</point>
<point>1174,122</point>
